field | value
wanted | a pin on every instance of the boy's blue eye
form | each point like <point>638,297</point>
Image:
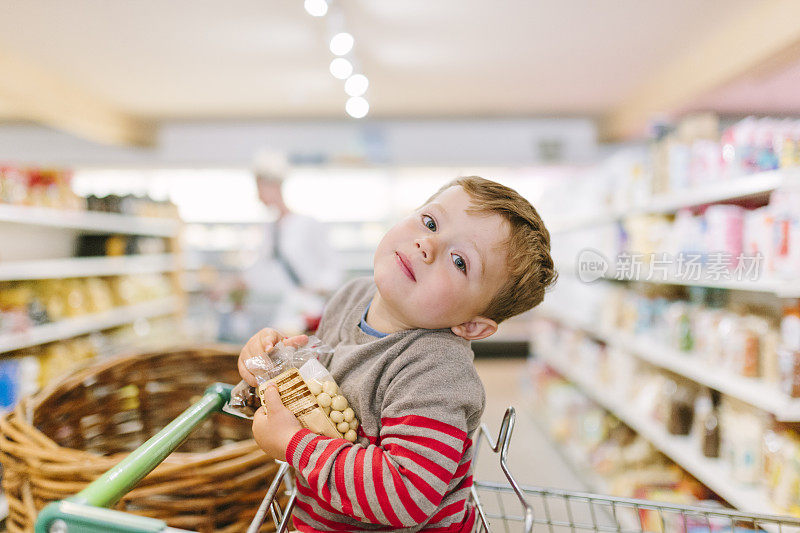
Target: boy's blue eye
<point>429,222</point>
<point>459,262</point>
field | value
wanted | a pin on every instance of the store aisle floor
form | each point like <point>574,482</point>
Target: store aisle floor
<point>532,457</point>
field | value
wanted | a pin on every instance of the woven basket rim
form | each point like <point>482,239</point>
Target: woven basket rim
<point>29,404</point>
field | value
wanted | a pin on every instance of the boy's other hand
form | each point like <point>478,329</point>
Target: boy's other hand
<point>261,343</point>
<point>274,425</point>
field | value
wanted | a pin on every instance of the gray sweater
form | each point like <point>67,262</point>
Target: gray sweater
<point>419,400</point>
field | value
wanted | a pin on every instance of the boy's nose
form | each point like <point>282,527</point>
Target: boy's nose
<point>426,248</point>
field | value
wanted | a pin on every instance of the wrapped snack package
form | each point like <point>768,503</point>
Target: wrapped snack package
<point>244,401</point>
<point>306,388</point>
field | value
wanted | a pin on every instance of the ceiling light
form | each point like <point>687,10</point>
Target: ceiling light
<point>357,107</point>
<point>341,43</point>
<point>356,85</point>
<point>316,8</point>
<point>341,68</point>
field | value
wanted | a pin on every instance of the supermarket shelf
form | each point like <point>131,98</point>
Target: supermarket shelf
<point>780,288</point>
<point>72,327</point>
<point>75,267</point>
<point>89,221</point>
<point>711,472</point>
<point>734,189</point>
<point>752,391</point>
<point>749,390</point>
<point>718,191</point>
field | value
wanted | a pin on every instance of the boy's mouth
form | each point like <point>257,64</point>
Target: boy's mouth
<point>405,265</point>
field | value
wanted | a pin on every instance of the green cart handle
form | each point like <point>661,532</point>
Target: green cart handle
<point>86,511</point>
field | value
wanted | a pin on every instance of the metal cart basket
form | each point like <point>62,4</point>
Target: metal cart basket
<point>509,506</point>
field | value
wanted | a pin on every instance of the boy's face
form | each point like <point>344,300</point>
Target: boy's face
<point>441,266</point>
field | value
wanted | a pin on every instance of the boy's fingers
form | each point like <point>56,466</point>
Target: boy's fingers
<point>246,374</point>
<point>259,418</point>
<point>271,398</point>
<point>297,341</point>
<point>267,338</point>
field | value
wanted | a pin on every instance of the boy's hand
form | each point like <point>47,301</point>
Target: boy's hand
<point>274,425</point>
<point>259,344</point>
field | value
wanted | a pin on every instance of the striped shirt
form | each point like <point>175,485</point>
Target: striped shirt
<point>419,400</point>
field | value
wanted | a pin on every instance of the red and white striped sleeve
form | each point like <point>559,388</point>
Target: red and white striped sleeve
<point>400,478</point>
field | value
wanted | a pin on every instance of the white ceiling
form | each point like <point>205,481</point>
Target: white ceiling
<point>424,58</point>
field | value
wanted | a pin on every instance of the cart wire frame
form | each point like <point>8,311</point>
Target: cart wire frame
<point>553,509</point>
<point>558,510</point>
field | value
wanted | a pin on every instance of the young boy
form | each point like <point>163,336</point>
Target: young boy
<point>474,255</point>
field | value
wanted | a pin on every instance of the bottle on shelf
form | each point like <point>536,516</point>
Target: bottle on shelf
<point>711,430</point>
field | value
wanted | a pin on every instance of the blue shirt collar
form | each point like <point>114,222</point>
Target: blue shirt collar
<point>366,328</point>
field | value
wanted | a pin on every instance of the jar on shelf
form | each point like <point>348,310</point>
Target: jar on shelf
<point>789,351</point>
<point>681,407</point>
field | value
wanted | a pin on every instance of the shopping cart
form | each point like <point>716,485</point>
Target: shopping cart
<point>507,505</point>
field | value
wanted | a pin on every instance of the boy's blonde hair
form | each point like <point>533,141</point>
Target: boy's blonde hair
<point>529,266</point>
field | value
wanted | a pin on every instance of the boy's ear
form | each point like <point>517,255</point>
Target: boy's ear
<point>477,328</point>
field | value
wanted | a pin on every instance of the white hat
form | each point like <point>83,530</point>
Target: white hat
<point>270,165</point>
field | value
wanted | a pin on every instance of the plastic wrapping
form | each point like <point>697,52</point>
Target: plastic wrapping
<point>306,388</point>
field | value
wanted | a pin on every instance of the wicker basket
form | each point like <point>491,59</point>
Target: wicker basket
<point>56,442</point>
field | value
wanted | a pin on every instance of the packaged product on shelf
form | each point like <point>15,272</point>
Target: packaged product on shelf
<point>20,309</point>
<point>687,234</point>
<point>129,290</point>
<point>112,245</point>
<point>650,395</point>
<point>724,230</point>
<point>786,236</point>
<point>707,411</point>
<point>790,153</point>
<point>75,297</point>
<point>741,343</point>
<point>782,469</point>
<point>742,436</point>
<point>123,289</point>
<point>18,378</point>
<point>99,245</point>
<point>37,187</point>
<point>706,162</point>
<point>684,338</point>
<point>13,185</point>
<point>789,351</point>
<point>679,157</point>
<point>766,141</point>
<point>758,236</point>
<point>141,206</point>
<point>708,342</point>
<point>681,396</point>
<point>751,334</point>
<point>789,365</point>
<point>98,293</point>
<point>738,151</point>
<point>770,345</point>
<point>648,235</point>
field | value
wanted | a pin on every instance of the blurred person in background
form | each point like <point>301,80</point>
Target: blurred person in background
<point>294,269</point>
